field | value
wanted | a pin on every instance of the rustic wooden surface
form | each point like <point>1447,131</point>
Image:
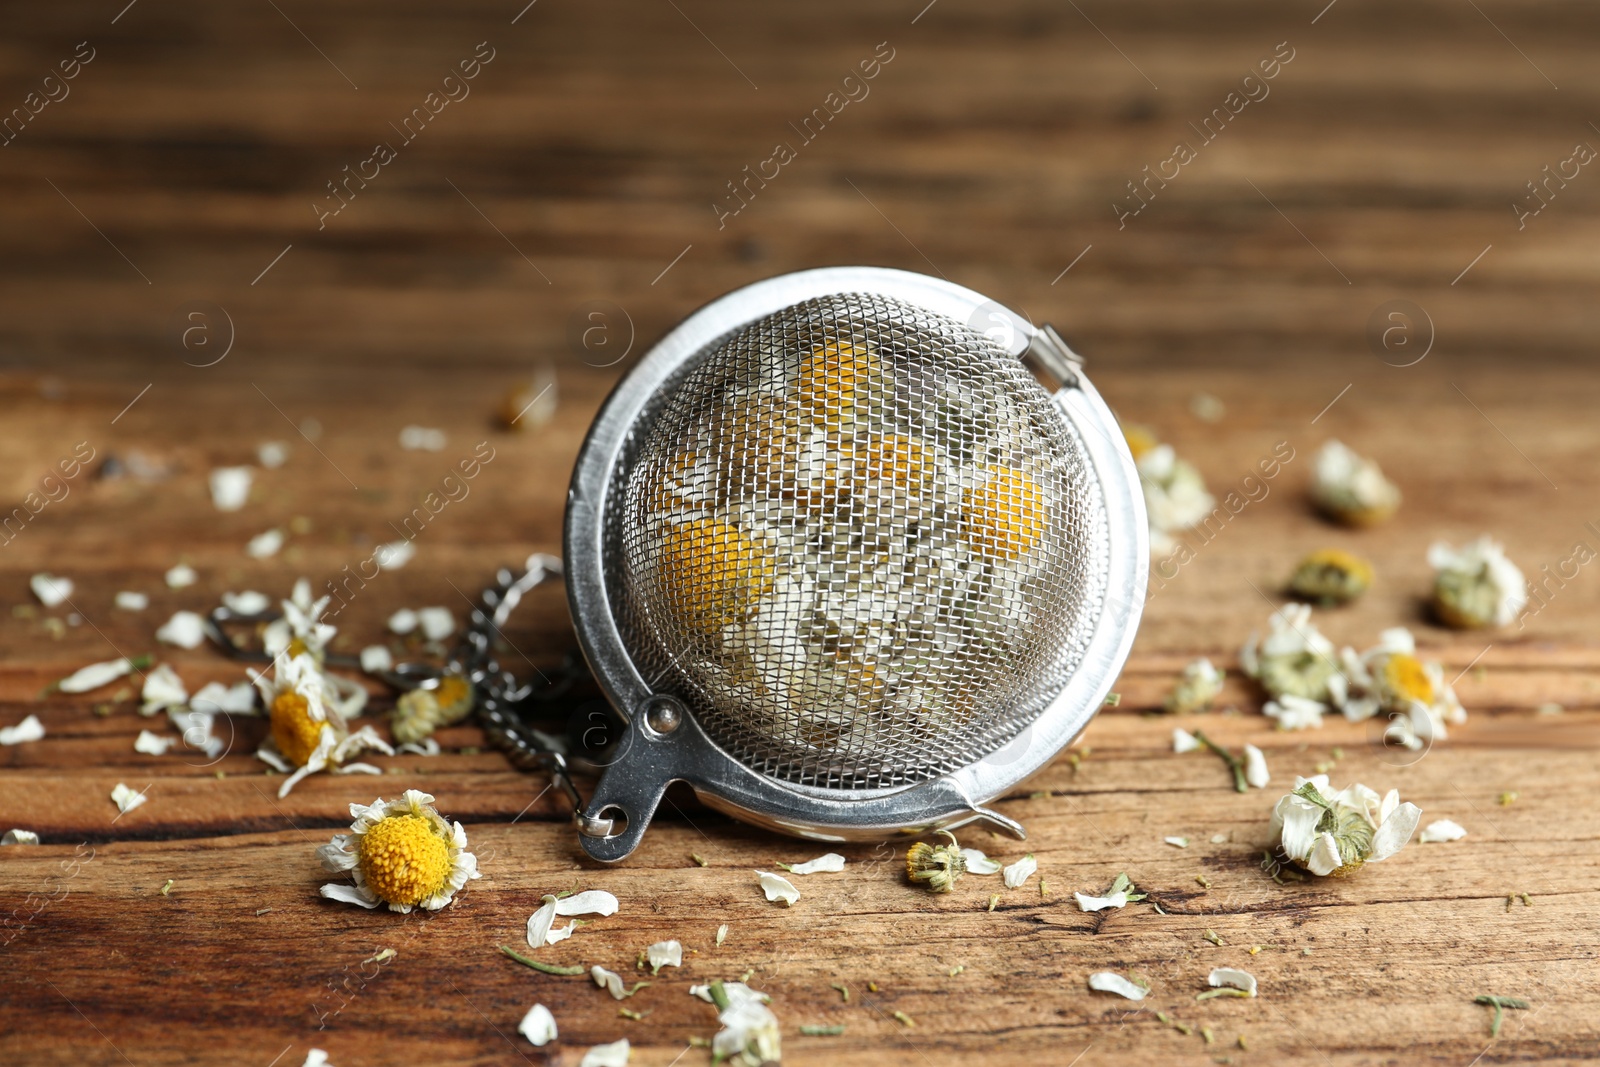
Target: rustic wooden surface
<point>586,159</point>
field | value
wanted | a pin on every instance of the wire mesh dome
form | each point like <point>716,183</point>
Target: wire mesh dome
<point>859,541</point>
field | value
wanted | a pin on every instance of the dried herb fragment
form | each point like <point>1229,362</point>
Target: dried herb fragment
<point>1499,1004</point>
<point>540,965</point>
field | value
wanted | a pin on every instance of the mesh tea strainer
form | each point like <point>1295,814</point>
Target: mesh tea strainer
<point>843,565</point>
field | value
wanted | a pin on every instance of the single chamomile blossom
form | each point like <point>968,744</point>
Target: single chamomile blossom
<point>1476,585</point>
<point>1329,577</point>
<point>402,853</point>
<point>1175,495</point>
<point>419,712</point>
<point>936,866</point>
<point>1337,834</point>
<point>307,735</point>
<point>1199,686</point>
<point>1389,677</point>
<point>1350,489</point>
<point>1294,659</point>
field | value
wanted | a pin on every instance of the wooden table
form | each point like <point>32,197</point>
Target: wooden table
<point>583,167</point>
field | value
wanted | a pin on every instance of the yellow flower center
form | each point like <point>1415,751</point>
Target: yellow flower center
<point>713,573</point>
<point>294,731</point>
<point>1006,514</point>
<point>297,647</point>
<point>1405,677</point>
<point>403,859</point>
<point>835,379</point>
<point>452,692</point>
<point>1140,440</point>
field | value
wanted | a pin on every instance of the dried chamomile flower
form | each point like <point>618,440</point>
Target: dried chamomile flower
<point>1335,835</point>
<point>419,712</point>
<point>402,853</point>
<point>936,866</point>
<point>1476,585</point>
<point>1329,577</point>
<point>1350,489</point>
<point>307,733</point>
<point>1294,659</point>
<point>1175,494</point>
<point>1199,686</point>
<point>1389,677</point>
<point>750,1034</point>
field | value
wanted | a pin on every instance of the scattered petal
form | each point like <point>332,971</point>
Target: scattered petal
<point>230,487</point>
<point>1442,830</point>
<point>248,602</point>
<point>125,798</point>
<point>1019,872</point>
<point>1196,689</point>
<point>316,1058</point>
<point>722,934</point>
<point>265,545</point>
<point>437,623</point>
<point>50,589</point>
<point>185,629</point>
<point>272,454</point>
<point>394,555</point>
<point>1255,767</point>
<point>237,699</point>
<point>1110,982</point>
<point>978,863</point>
<point>422,439</point>
<point>128,600</point>
<point>1233,978</point>
<point>94,676</point>
<point>19,837</point>
<point>403,621</point>
<point>830,863</point>
<point>664,954</point>
<point>1118,899</point>
<point>538,1026</point>
<point>151,744</point>
<point>163,689</point>
<point>181,577</point>
<point>777,887</point>
<point>1177,842</point>
<point>610,981</point>
<point>375,658</point>
<point>612,1055</point>
<point>1183,741</point>
<point>29,729</point>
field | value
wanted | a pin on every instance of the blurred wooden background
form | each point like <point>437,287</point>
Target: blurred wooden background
<point>178,170</point>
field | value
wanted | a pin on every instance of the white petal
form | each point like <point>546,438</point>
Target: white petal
<point>272,454</point>
<point>1324,858</point>
<point>538,1026</point>
<point>1183,740</point>
<point>1255,767</point>
<point>428,746</point>
<point>1396,830</point>
<point>1295,824</point>
<point>94,676</point>
<point>125,798</point>
<point>181,577</point>
<point>589,902</point>
<point>1019,872</point>
<point>316,1058</point>
<point>248,602</point>
<point>337,856</point>
<point>612,1055</point>
<point>270,757</point>
<point>1233,978</point>
<point>664,954</point>
<point>1109,982</point>
<point>230,487</point>
<point>29,729</point>
<point>610,981</point>
<point>722,934</point>
<point>539,924</point>
<point>776,887</point>
<point>50,589</point>
<point>1442,830</point>
<point>162,689</point>
<point>1118,899</point>
<point>349,894</point>
<point>376,658</point>
<point>151,744</point>
<point>978,863</point>
<point>357,768</point>
<point>265,545</point>
<point>403,621</point>
<point>19,837</point>
<point>128,600</point>
<point>1177,842</point>
<point>561,933</point>
<point>829,863</point>
<point>238,699</point>
<point>437,623</point>
<point>185,629</point>
<point>394,555</point>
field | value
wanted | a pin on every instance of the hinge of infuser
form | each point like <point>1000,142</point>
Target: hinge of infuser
<point>1054,356</point>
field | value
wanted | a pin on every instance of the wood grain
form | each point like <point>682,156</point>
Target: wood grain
<point>588,156</point>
